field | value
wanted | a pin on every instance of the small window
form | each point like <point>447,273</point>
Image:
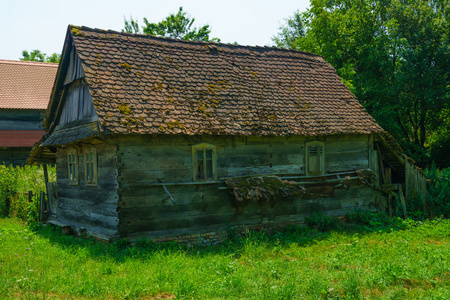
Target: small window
<point>315,158</point>
<point>90,162</point>
<point>204,162</point>
<point>72,166</point>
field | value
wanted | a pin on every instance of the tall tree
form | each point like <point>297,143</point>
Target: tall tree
<point>37,55</point>
<point>177,26</point>
<point>393,54</point>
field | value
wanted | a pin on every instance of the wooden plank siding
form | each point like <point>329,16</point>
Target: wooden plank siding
<point>91,207</point>
<point>14,156</point>
<point>21,119</point>
<point>147,211</point>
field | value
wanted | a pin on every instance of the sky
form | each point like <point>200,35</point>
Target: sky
<point>42,24</point>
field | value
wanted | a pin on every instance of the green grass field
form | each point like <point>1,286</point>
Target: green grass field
<point>414,263</point>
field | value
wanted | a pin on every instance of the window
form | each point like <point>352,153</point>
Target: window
<point>90,162</point>
<point>72,166</point>
<point>315,158</point>
<point>204,162</point>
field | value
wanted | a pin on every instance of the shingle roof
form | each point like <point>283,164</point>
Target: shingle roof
<point>20,138</point>
<point>145,84</point>
<point>25,84</point>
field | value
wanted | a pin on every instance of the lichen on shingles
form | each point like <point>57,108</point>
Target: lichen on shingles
<point>126,66</point>
<point>77,31</point>
<point>124,108</point>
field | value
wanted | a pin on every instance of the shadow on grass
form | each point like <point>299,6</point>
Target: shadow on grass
<point>236,244</point>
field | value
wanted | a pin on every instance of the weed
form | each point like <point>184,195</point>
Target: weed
<point>320,221</point>
<point>15,182</point>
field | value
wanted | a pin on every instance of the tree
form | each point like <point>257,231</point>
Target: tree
<point>394,55</point>
<point>37,55</point>
<point>176,26</point>
<point>131,26</point>
<point>291,32</point>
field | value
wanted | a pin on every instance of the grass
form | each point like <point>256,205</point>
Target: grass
<point>414,263</point>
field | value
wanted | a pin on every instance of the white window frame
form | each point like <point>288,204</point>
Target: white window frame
<point>320,148</point>
<point>204,147</point>
<point>72,166</point>
<point>90,166</point>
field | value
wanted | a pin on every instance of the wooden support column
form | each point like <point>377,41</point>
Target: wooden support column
<point>403,201</point>
<point>41,207</point>
<point>45,205</point>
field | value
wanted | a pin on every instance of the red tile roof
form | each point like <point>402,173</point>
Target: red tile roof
<point>25,84</point>
<point>145,84</point>
<point>20,138</point>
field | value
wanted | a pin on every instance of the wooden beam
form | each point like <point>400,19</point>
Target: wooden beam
<point>288,176</point>
<point>386,144</point>
<point>167,192</point>
<point>46,179</point>
<point>402,201</point>
<point>380,161</point>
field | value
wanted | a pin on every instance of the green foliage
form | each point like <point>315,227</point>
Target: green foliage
<point>176,26</point>
<point>320,221</point>
<point>438,199</point>
<point>375,221</point>
<point>39,262</point>
<point>393,55</point>
<point>15,182</point>
<point>291,32</point>
<point>37,55</point>
<point>131,26</point>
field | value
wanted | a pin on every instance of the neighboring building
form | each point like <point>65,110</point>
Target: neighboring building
<point>25,89</point>
<point>162,138</point>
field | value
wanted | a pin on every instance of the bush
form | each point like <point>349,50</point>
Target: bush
<point>365,217</point>
<point>374,221</point>
<point>320,221</point>
<point>437,202</point>
<point>438,199</point>
<point>15,182</point>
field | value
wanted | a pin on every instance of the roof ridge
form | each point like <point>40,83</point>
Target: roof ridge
<point>237,46</point>
<point>29,63</point>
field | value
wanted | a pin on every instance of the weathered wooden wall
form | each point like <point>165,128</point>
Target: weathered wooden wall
<point>148,211</point>
<point>21,119</point>
<point>14,156</point>
<point>92,207</point>
<point>415,181</point>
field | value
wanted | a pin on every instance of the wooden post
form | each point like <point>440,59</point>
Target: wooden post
<point>370,157</point>
<point>403,201</point>
<point>41,207</point>
<point>388,176</point>
<point>381,170</point>
<point>46,178</point>
<point>390,196</point>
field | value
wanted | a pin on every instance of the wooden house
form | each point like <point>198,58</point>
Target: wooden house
<point>169,139</point>
<point>25,89</point>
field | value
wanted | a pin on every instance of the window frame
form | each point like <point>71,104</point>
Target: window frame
<point>87,164</point>
<point>72,165</point>
<point>204,147</point>
<point>321,158</point>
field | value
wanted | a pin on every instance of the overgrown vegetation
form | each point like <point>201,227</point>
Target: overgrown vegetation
<point>394,56</point>
<point>15,182</point>
<point>297,263</point>
<point>437,203</point>
<point>365,255</point>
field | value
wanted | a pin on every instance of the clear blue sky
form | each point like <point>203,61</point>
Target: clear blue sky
<point>42,24</point>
